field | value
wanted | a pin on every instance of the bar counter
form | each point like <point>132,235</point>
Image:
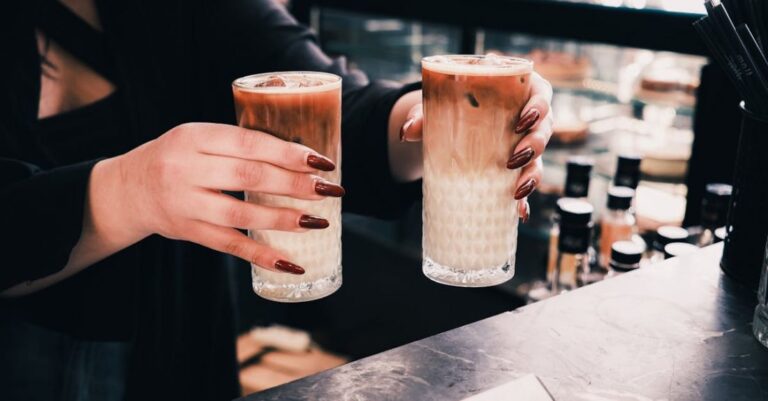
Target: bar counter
<point>678,330</point>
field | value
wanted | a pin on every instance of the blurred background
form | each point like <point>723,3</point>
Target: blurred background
<point>630,76</point>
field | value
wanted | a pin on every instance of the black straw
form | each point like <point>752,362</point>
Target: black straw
<point>737,50</point>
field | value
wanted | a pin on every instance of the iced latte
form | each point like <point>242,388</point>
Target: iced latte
<point>471,106</point>
<point>302,107</point>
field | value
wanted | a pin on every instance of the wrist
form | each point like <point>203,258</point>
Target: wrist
<point>112,213</point>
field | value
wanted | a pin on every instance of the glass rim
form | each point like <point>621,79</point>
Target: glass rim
<point>518,65</point>
<point>330,82</point>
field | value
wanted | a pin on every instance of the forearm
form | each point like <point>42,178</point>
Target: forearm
<point>106,228</point>
<point>405,158</point>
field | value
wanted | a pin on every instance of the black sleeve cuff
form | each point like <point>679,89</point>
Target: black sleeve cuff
<point>42,217</point>
<point>366,173</point>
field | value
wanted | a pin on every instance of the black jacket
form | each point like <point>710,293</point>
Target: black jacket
<point>175,61</point>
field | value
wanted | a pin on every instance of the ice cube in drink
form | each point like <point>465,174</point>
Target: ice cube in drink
<point>471,107</point>
<point>303,107</point>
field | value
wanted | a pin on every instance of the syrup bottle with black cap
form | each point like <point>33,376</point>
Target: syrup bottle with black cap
<point>572,261</point>
<point>578,171</point>
<point>714,211</point>
<point>627,171</point>
<point>666,235</point>
<point>618,223</point>
<point>625,257</point>
<point>577,179</point>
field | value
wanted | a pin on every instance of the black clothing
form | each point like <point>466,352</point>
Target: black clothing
<point>173,62</point>
<point>50,365</point>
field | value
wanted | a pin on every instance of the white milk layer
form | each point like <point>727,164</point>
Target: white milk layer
<point>317,251</point>
<point>470,222</point>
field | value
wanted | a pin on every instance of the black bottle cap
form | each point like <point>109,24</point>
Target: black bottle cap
<point>578,170</point>
<point>620,198</point>
<point>575,225</point>
<point>714,205</point>
<point>574,212</point>
<point>626,252</point>
<point>627,171</point>
<point>678,248</point>
<point>667,235</point>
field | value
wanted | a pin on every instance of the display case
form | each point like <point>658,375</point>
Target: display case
<point>609,98</point>
<point>608,61</point>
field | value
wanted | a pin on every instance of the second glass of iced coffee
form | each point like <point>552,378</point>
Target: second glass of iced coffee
<point>302,107</point>
<point>471,107</point>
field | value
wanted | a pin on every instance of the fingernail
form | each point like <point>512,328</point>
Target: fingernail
<point>288,267</point>
<point>307,221</point>
<point>404,129</point>
<point>321,163</point>
<point>520,158</point>
<point>526,212</point>
<point>326,188</point>
<point>527,121</point>
<point>525,189</point>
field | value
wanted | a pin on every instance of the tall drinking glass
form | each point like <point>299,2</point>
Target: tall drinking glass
<point>471,107</point>
<point>302,107</point>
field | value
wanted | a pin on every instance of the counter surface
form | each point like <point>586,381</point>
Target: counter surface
<point>678,330</point>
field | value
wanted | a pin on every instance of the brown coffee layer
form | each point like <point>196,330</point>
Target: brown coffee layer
<point>470,119</point>
<point>312,119</point>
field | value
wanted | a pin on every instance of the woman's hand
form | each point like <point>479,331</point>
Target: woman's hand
<point>173,186</point>
<point>535,122</point>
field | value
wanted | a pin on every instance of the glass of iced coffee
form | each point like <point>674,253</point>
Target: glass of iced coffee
<point>471,106</point>
<point>302,107</point>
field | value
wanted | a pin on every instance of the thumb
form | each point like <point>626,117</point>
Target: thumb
<point>414,123</point>
<point>524,209</point>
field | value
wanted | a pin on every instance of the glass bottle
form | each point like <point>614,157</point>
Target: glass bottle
<point>625,257</point>
<point>572,260</point>
<point>714,211</point>
<point>618,223</point>
<point>666,235</point>
<point>627,171</point>
<point>578,170</point>
<point>577,178</point>
<point>565,268</point>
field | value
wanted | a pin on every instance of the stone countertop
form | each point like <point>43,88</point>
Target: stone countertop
<point>678,330</point>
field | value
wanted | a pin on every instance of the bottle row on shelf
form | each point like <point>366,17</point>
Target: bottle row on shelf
<point>582,251</point>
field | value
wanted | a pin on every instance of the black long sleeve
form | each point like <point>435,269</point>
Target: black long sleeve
<point>262,34</point>
<point>175,61</point>
<point>41,214</point>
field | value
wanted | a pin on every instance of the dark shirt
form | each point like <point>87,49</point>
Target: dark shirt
<point>174,62</point>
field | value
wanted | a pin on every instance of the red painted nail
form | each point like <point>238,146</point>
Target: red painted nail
<point>525,189</point>
<point>326,188</point>
<point>527,121</point>
<point>321,163</point>
<point>314,222</point>
<point>520,158</point>
<point>288,267</point>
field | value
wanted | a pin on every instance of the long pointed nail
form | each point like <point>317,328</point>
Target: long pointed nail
<point>326,188</point>
<point>314,222</point>
<point>525,189</point>
<point>527,121</point>
<point>404,129</point>
<point>321,163</point>
<point>526,211</point>
<point>288,267</point>
<point>520,158</point>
